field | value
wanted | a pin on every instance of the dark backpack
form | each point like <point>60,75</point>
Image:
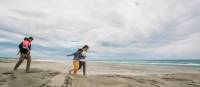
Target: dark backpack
<point>20,46</point>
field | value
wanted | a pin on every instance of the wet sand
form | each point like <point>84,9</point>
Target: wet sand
<point>46,73</point>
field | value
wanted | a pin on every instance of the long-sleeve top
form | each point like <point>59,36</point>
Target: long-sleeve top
<point>76,55</point>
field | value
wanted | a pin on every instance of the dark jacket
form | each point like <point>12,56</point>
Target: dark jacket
<point>76,55</point>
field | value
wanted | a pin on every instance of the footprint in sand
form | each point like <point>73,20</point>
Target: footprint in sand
<point>7,73</point>
<point>58,81</point>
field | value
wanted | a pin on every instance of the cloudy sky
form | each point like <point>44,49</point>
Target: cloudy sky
<point>114,29</point>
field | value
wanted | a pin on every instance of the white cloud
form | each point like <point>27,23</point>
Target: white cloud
<point>108,26</point>
<point>187,47</point>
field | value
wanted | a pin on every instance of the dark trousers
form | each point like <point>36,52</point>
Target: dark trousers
<point>21,59</point>
<point>83,64</point>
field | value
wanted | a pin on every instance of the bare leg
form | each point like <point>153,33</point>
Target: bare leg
<point>75,71</point>
<point>70,71</point>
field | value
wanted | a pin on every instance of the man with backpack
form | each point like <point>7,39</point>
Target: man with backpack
<point>24,50</point>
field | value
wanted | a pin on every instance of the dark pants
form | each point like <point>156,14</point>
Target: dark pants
<point>83,64</point>
<point>21,59</point>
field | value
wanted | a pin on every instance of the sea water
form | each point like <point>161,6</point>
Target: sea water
<point>195,62</point>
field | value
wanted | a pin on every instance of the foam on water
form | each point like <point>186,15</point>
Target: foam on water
<point>154,62</point>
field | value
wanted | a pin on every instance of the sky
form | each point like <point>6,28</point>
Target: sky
<point>113,29</point>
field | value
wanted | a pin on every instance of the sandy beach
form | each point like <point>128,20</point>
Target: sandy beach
<point>53,73</point>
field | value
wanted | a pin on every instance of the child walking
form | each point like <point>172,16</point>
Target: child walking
<point>77,55</point>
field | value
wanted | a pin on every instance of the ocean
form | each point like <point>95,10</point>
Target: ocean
<point>194,63</point>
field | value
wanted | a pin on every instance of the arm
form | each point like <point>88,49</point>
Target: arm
<point>28,52</point>
<point>84,55</point>
<point>29,49</point>
<point>70,54</point>
<point>20,47</point>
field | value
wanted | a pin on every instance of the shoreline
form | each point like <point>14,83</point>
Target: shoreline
<point>66,62</point>
<point>140,62</point>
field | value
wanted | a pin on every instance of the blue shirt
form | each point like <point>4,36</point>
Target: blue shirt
<point>76,55</point>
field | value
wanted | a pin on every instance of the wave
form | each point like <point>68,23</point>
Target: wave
<point>160,62</point>
<point>185,64</point>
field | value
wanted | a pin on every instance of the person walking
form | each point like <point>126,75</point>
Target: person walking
<point>25,48</point>
<point>75,62</point>
<point>82,61</point>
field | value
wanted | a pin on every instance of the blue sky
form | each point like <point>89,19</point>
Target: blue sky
<point>122,29</point>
